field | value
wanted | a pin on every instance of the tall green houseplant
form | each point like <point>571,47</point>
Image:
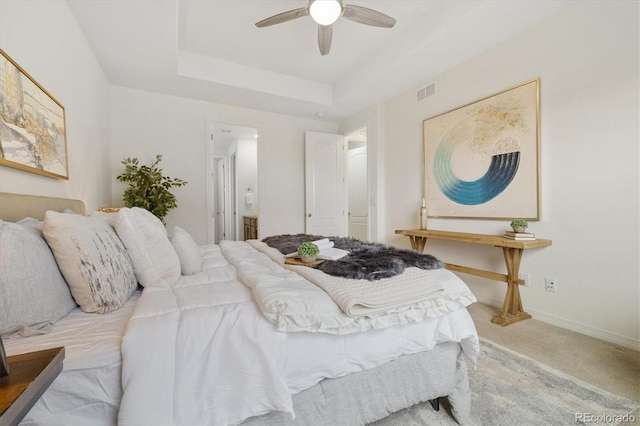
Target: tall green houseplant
<point>148,187</point>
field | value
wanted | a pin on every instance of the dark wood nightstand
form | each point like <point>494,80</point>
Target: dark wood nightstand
<point>29,376</point>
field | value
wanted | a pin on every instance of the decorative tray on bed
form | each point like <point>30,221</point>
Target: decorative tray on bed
<point>298,262</point>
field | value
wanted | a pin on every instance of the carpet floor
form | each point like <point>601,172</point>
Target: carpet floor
<point>511,389</point>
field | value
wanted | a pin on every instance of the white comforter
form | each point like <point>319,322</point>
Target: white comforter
<point>293,303</point>
<point>202,352</point>
<point>360,298</point>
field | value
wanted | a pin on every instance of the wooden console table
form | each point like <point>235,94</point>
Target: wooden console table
<point>30,374</point>
<point>512,309</point>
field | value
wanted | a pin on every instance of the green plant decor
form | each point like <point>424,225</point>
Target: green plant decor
<point>519,223</point>
<point>308,249</point>
<point>148,187</point>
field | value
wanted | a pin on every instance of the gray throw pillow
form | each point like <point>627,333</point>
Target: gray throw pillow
<point>33,292</point>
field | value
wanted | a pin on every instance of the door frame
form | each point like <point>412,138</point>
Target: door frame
<point>348,186</point>
<point>374,195</point>
<point>210,214</point>
<point>373,119</point>
<point>372,217</point>
<point>233,219</point>
<point>225,196</point>
<point>210,122</point>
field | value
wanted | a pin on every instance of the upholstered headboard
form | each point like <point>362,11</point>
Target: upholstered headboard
<point>14,207</point>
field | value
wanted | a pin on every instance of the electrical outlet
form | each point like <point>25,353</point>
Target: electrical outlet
<point>551,285</point>
<point>525,278</point>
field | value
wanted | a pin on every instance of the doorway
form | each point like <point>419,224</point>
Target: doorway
<point>324,165</point>
<point>357,185</point>
<point>337,184</point>
<point>232,173</point>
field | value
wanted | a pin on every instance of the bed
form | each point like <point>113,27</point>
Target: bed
<point>217,344</point>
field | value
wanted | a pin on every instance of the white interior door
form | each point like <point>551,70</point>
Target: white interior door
<point>221,196</point>
<point>358,194</point>
<point>324,184</point>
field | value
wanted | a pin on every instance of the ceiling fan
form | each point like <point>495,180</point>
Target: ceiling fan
<point>325,13</point>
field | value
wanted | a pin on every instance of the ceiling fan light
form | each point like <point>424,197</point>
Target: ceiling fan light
<point>325,12</point>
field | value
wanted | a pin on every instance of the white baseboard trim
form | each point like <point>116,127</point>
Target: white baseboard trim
<point>573,326</point>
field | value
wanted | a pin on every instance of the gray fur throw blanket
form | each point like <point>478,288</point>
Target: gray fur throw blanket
<point>365,261</point>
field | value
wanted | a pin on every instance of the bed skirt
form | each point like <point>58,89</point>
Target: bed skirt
<point>365,397</point>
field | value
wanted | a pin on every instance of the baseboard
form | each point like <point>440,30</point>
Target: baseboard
<point>573,326</point>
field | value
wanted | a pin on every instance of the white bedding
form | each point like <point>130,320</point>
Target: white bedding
<point>201,353</point>
<point>293,303</point>
<point>223,362</point>
<point>219,320</point>
<point>89,386</point>
<point>358,298</point>
<point>312,357</point>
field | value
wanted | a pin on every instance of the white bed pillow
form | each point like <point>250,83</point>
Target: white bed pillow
<point>33,293</point>
<point>155,261</point>
<point>187,250</point>
<point>92,259</point>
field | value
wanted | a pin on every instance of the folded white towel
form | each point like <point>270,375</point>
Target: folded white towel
<point>323,244</point>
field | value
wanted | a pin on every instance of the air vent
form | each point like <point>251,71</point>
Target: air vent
<point>425,92</point>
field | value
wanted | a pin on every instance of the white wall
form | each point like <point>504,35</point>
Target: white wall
<point>45,40</point>
<point>587,60</point>
<point>144,124</point>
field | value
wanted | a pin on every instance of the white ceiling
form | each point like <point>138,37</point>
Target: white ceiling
<point>211,49</point>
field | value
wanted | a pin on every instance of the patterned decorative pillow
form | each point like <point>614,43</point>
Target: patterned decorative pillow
<point>154,259</point>
<point>33,293</point>
<point>92,259</point>
<point>187,250</point>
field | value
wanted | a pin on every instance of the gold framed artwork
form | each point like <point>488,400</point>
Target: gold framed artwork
<point>32,124</point>
<point>481,160</point>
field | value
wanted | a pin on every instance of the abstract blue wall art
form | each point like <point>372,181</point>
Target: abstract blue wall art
<point>481,160</point>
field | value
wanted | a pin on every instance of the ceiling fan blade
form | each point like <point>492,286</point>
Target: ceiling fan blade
<point>325,33</point>
<point>364,15</point>
<point>283,17</point>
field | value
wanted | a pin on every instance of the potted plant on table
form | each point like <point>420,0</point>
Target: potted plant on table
<point>308,252</point>
<point>519,225</point>
<point>149,188</point>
